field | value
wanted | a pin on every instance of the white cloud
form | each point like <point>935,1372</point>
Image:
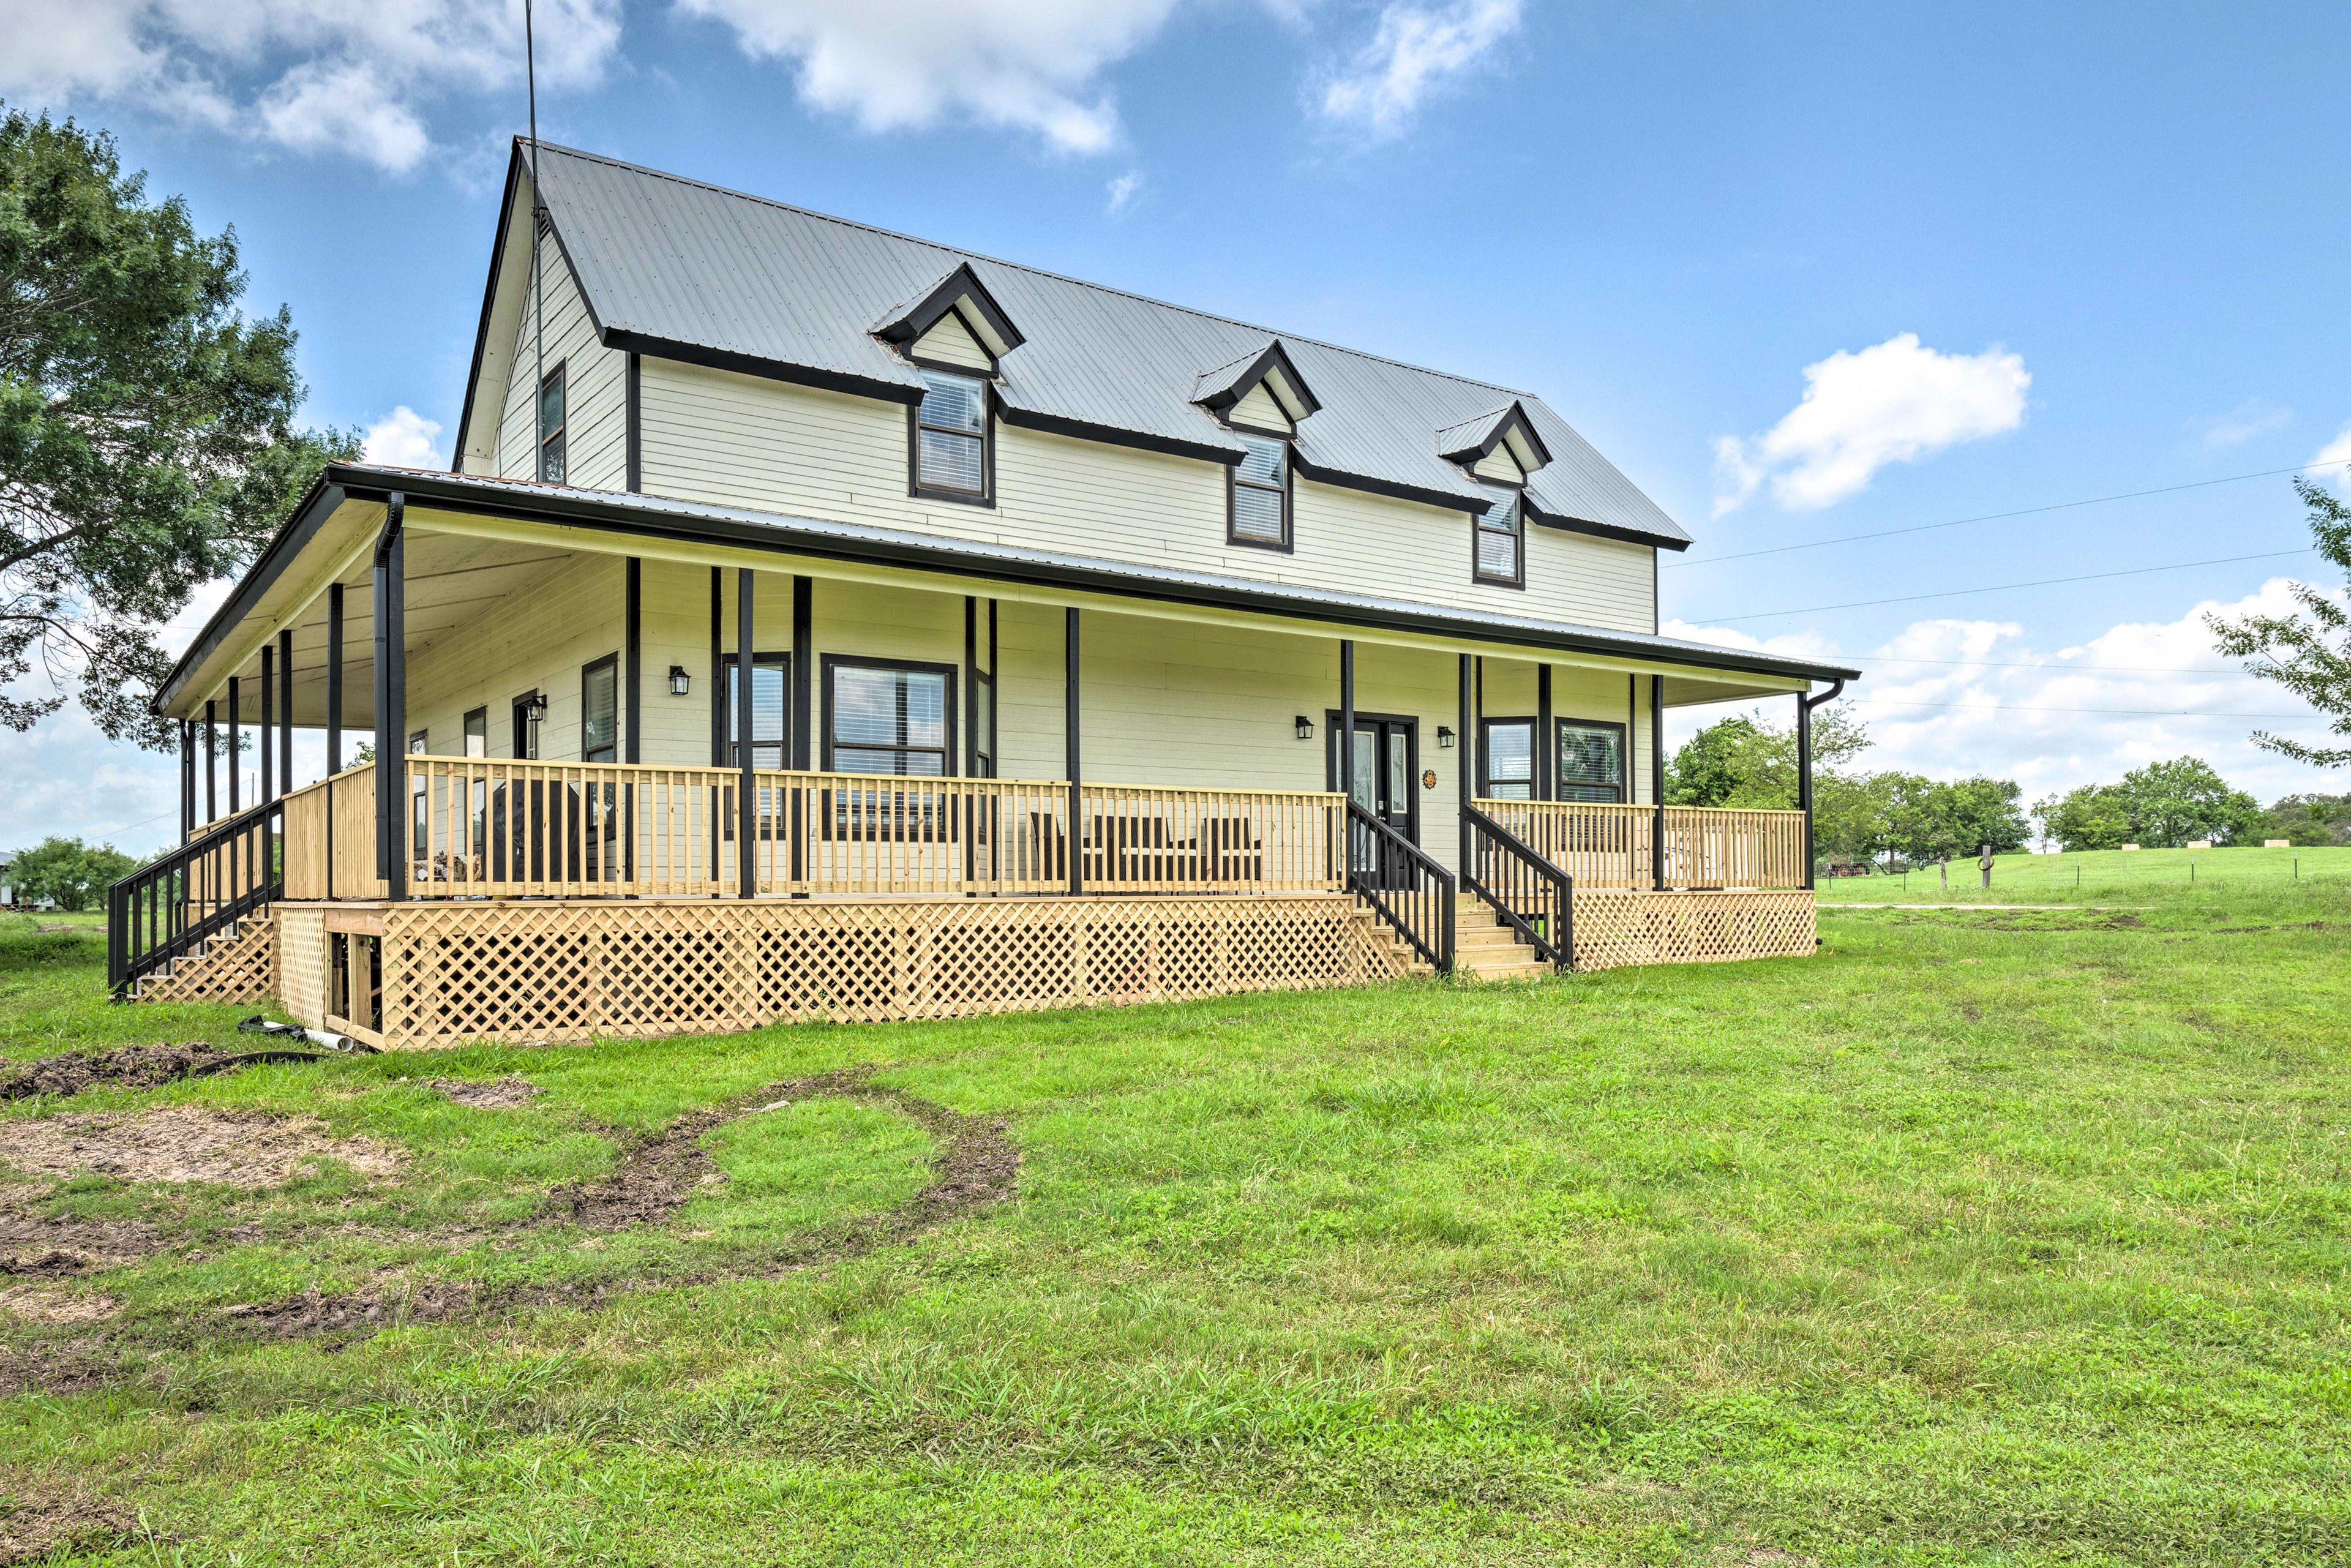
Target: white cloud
<point>1414,50</point>
<point>1895,401</point>
<point>404,439</point>
<point>1123,190</point>
<point>2252,417</point>
<point>1029,65</point>
<point>1949,698</point>
<point>2337,454</point>
<point>353,77</point>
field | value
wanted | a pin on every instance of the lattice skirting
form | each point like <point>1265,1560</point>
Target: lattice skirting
<point>1616,928</point>
<point>239,968</point>
<point>519,971</point>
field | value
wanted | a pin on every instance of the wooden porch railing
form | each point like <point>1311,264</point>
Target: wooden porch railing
<point>1605,845</point>
<point>498,828</point>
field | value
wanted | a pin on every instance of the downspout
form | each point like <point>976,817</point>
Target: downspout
<point>1804,707</point>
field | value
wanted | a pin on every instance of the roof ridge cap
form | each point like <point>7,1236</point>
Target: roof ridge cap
<point>545,146</point>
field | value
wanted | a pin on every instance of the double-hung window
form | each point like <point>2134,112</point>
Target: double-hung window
<point>884,718</point>
<point>771,701</point>
<point>1506,759</point>
<point>551,442</point>
<point>1502,542</point>
<point>951,437</point>
<point>1591,761</point>
<point>1261,495</point>
<point>600,710</point>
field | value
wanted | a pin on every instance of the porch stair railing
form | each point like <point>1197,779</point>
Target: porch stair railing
<point>1535,897</point>
<point>173,908</point>
<point>1408,890</point>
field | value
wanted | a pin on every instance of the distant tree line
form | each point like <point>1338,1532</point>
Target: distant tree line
<point>75,874</point>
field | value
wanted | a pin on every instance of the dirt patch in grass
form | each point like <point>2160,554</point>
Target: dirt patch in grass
<point>38,1247</point>
<point>133,1067</point>
<point>975,1167</point>
<point>42,1305</point>
<point>187,1144</point>
<point>505,1093</point>
<point>38,1523</point>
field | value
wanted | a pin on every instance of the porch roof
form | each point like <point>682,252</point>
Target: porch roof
<point>330,530</point>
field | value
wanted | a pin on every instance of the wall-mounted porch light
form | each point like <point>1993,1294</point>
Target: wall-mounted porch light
<point>535,705</point>
<point>1444,738</point>
<point>1305,727</point>
<point>678,680</point>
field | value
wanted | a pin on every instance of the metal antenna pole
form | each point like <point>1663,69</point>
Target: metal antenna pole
<point>538,280</point>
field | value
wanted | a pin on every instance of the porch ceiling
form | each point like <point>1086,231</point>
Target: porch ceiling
<point>471,542</point>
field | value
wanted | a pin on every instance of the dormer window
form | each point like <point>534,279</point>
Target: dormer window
<point>1500,538</point>
<point>951,437</point>
<point>1258,513</point>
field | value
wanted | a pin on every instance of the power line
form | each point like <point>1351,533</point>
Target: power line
<point>2013,707</point>
<point>2066,669</point>
<point>2002,587</point>
<point>1996,516</point>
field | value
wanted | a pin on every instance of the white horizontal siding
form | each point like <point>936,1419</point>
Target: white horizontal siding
<point>950,342</point>
<point>1258,411</point>
<point>711,435</point>
<point>595,389</point>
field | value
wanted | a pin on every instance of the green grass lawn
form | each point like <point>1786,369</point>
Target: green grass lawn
<point>2105,874</point>
<point>1976,1239</point>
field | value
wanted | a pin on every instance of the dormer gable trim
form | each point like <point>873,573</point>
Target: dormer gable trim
<point>961,292</point>
<point>1220,389</point>
<point>1473,442</point>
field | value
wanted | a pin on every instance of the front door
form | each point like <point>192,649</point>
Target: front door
<point>1387,755</point>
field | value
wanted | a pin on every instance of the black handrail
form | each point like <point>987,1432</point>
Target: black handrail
<point>1404,886</point>
<point>164,909</point>
<point>1535,897</point>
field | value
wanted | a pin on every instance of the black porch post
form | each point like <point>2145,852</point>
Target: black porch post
<point>235,745</point>
<point>717,672</point>
<point>1546,752</point>
<point>285,712</point>
<point>391,808</point>
<point>1347,717</point>
<point>1804,778</point>
<point>1657,780</point>
<point>803,666</point>
<point>970,685</point>
<point>334,688</point>
<point>1070,744</point>
<point>632,660</point>
<point>211,763</point>
<point>747,810</point>
<point>269,709</point>
<point>187,780</point>
<point>1467,743</point>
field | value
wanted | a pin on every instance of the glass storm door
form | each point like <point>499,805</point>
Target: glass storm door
<point>1386,749</point>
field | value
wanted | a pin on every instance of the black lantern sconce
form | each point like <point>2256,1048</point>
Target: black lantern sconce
<point>1305,727</point>
<point>1444,738</point>
<point>678,680</point>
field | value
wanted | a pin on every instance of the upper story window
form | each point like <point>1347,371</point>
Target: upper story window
<point>551,427</point>
<point>951,437</point>
<point>1260,513</point>
<point>1500,537</point>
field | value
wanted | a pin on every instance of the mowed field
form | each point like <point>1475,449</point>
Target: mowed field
<point>2105,874</point>
<point>1979,1238</point>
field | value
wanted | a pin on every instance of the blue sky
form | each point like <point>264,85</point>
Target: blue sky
<point>2018,255</point>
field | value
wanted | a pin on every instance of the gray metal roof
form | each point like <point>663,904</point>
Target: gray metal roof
<point>673,260</point>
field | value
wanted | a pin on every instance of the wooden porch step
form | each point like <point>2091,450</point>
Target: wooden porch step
<point>1522,966</point>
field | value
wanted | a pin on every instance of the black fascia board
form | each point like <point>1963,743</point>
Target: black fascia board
<point>489,298</point>
<point>1452,501</point>
<point>919,317</point>
<point>1239,386</point>
<point>630,340</point>
<point>1543,516</point>
<point>1111,435</point>
<point>1003,563</point>
<point>309,515</point>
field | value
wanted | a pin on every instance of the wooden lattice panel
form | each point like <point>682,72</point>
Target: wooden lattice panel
<point>1613,929</point>
<point>571,971</point>
<point>239,967</point>
<point>301,962</point>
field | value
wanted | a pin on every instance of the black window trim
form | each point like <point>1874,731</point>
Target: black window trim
<point>953,674</point>
<point>518,711</point>
<point>1288,544</point>
<point>1477,573</point>
<point>986,494</point>
<point>539,437</point>
<point>759,657</point>
<point>1483,761</point>
<point>587,672</point>
<point>1561,723</point>
<point>465,726</point>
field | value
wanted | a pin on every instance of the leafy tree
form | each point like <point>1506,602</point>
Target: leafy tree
<point>2092,817</point>
<point>2172,802</point>
<point>1927,818</point>
<point>2307,820</point>
<point>2308,653</point>
<point>74,873</point>
<point>1738,761</point>
<point>147,441</point>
